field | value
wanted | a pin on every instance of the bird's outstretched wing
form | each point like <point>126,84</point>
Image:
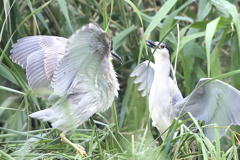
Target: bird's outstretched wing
<point>144,74</point>
<point>39,55</point>
<point>84,79</point>
<point>85,49</point>
<point>215,102</point>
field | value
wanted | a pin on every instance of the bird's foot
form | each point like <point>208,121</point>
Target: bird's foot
<point>78,147</point>
<point>80,150</point>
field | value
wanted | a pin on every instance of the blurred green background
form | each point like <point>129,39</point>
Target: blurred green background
<point>208,47</point>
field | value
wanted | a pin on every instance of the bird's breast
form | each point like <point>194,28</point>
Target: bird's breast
<point>159,101</point>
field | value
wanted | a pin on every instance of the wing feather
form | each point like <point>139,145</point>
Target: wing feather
<point>85,48</point>
<point>215,102</point>
<point>21,52</point>
<point>33,54</point>
<point>143,70</point>
<point>53,56</point>
<point>35,71</point>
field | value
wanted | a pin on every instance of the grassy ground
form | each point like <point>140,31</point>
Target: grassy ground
<point>208,47</point>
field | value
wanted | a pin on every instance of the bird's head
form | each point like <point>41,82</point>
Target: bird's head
<point>103,43</point>
<point>161,51</point>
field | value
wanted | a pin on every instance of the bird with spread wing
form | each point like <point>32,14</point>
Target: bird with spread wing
<point>77,69</point>
<point>215,102</point>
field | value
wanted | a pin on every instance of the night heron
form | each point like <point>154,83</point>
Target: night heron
<point>215,102</point>
<point>77,69</point>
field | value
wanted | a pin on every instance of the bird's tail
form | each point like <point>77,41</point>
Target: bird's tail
<point>44,115</point>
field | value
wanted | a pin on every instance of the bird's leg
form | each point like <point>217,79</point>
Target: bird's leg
<point>78,148</point>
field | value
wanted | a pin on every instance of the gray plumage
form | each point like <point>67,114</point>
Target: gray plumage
<point>39,55</point>
<point>77,69</point>
<point>215,102</point>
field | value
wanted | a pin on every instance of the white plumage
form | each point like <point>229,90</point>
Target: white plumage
<point>215,102</point>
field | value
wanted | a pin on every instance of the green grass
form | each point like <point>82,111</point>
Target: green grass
<point>209,46</point>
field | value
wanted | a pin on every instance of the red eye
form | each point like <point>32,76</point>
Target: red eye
<point>162,46</point>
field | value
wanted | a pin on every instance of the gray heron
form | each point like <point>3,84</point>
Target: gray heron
<point>77,69</point>
<point>215,102</point>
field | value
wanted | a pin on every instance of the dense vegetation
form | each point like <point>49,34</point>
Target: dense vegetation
<point>209,35</point>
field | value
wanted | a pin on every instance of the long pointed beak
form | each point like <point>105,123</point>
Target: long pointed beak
<point>116,56</point>
<point>151,44</point>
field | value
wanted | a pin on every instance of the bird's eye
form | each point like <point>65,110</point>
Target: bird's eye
<point>162,46</point>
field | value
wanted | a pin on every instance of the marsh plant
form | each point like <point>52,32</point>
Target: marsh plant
<point>208,46</point>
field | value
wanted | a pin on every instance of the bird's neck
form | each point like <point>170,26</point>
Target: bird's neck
<point>162,69</point>
<point>106,83</point>
<point>159,98</point>
<point>160,82</point>
<point>111,77</point>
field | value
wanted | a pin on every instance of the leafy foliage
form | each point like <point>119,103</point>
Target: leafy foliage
<point>209,46</point>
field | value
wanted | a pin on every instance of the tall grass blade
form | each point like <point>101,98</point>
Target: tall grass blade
<point>154,22</point>
<point>210,30</point>
<point>63,5</point>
